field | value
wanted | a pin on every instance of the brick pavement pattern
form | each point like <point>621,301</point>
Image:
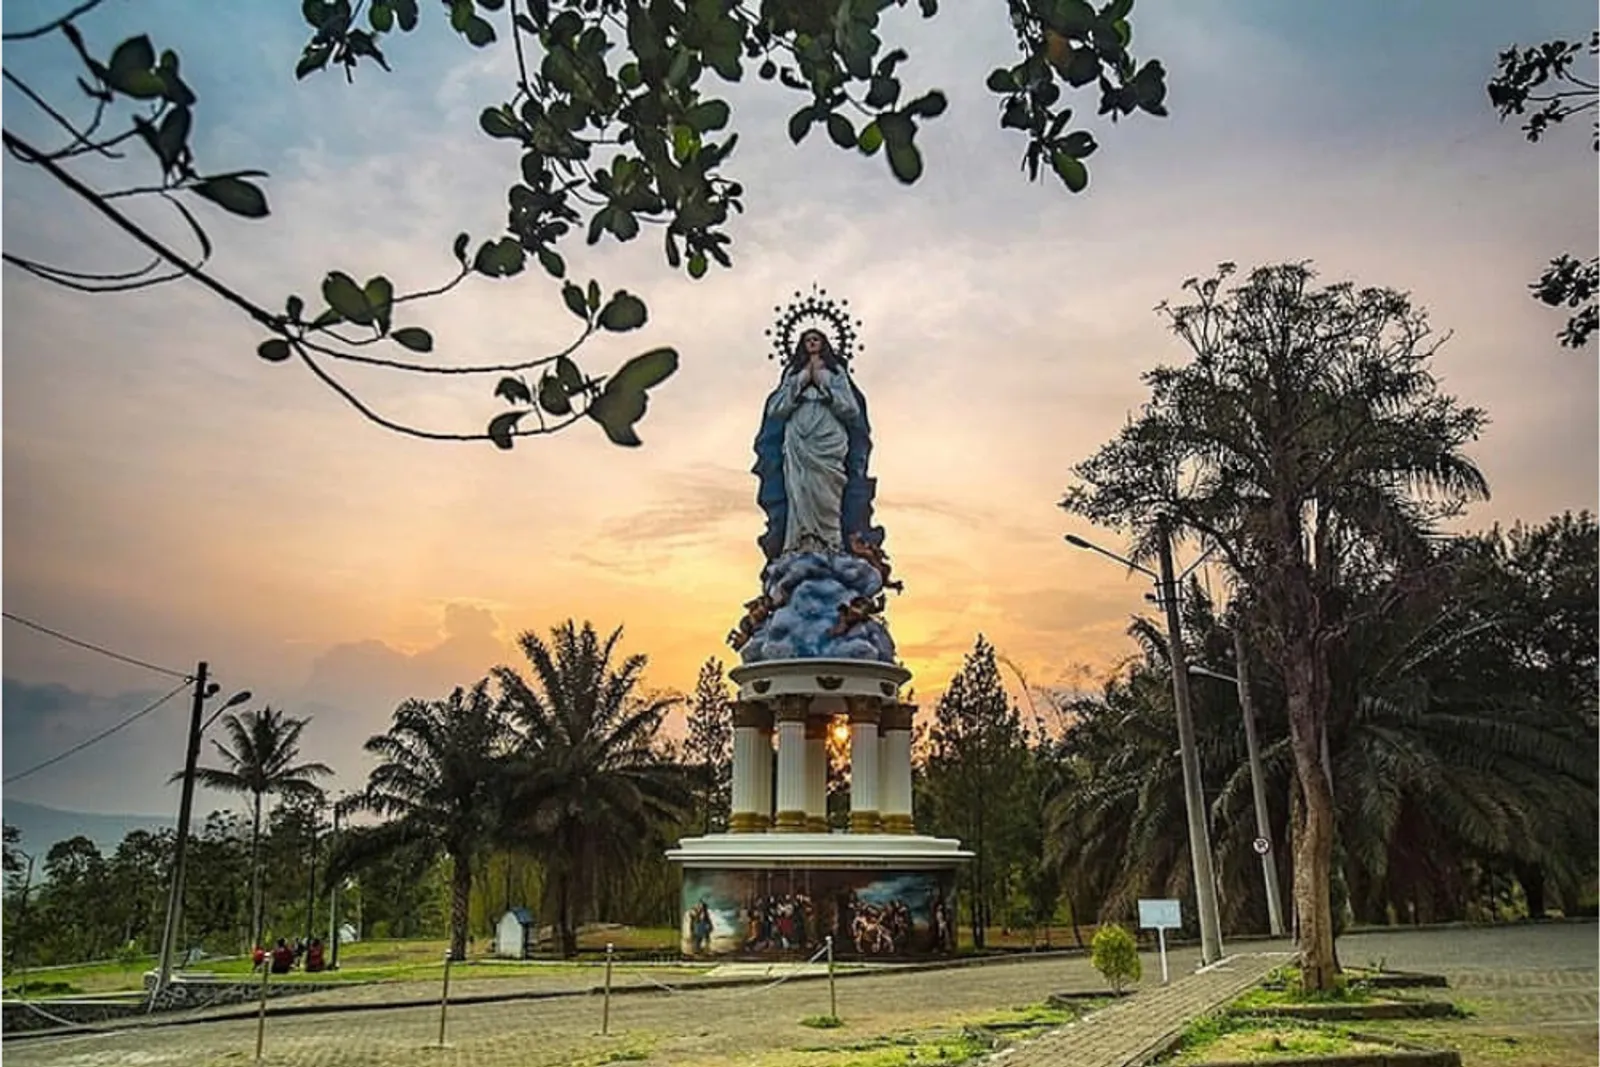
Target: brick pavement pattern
<point>1539,975</point>
<point>1131,1031</point>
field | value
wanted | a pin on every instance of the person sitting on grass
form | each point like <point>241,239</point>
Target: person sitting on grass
<point>282,957</point>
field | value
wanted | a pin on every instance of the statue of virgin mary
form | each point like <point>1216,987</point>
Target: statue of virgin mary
<point>811,456</point>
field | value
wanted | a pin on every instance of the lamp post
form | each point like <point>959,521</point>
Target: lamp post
<point>1205,886</point>
<point>1258,789</point>
<point>169,936</point>
<point>333,889</point>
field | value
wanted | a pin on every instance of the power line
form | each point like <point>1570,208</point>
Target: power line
<point>96,648</point>
<point>101,736</point>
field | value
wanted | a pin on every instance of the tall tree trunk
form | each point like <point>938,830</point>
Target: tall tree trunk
<point>1531,876</point>
<point>1308,692</point>
<point>460,897</point>
<point>255,875</point>
<point>564,927</point>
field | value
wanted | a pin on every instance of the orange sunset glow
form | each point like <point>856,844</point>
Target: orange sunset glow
<point>168,494</point>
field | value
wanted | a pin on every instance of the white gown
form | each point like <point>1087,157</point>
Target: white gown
<point>815,441</point>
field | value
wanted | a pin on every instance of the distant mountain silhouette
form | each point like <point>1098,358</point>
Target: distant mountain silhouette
<point>42,827</point>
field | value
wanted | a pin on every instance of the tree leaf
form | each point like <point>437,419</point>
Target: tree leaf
<point>315,57</point>
<point>552,262</point>
<point>496,123</point>
<point>501,427</point>
<point>707,116</point>
<point>871,139</point>
<point>513,391</point>
<point>645,371</point>
<point>623,311</point>
<point>1079,144</point>
<point>234,195</point>
<point>568,375</point>
<point>800,123</point>
<point>624,399</point>
<point>130,70</point>
<point>573,296</point>
<point>460,248</point>
<point>413,337</point>
<point>553,396</point>
<point>275,350</point>
<point>379,294</point>
<point>1074,175</point>
<point>840,130</point>
<point>479,32</point>
<point>905,161</point>
<point>499,259</point>
<point>173,136</point>
<point>929,105</point>
<point>345,297</point>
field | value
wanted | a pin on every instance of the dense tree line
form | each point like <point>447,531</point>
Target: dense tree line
<point>1461,757</point>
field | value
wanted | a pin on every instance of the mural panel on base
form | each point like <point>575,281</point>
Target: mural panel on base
<point>789,911</point>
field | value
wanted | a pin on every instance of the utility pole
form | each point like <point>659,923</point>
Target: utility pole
<point>1205,885</point>
<point>333,894</point>
<point>311,879</point>
<point>1269,862</point>
<point>169,935</point>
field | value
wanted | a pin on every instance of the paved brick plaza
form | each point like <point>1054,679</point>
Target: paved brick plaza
<point>1546,974</point>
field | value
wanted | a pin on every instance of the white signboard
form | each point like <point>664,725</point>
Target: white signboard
<point>1159,915</point>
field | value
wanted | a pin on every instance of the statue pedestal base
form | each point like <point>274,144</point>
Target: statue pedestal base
<point>881,896</point>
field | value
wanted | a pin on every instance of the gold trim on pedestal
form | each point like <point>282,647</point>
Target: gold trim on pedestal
<point>896,717</point>
<point>790,822</point>
<point>755,713</point>
<point>792,707</point>
<point>865,822</point>
<point>816,824</point>
<point>864,709</point>
<point>747,822</point>
<point>898,824</point>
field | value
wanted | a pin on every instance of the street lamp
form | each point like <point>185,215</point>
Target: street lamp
<point>1205,886</point>
<point>169,936</point>
<point>1258,789</point>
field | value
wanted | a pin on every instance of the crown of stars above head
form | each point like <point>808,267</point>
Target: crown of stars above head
<point>816,311</point>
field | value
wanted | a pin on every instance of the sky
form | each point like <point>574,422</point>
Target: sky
<point>169,495</point>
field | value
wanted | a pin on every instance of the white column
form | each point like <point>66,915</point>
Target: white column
<point>764,774</point>
<point>791,716</point>
<point>816,775</point>
<point>864,817</point>
<point>895,769</point>
<point>751,807</point>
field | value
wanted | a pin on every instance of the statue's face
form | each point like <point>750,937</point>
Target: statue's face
<point>812,343</point>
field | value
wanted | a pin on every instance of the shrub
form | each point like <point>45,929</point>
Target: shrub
<point>1115,954</point>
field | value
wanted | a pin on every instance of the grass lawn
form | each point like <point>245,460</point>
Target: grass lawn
<point>966,1039</point>
<point>1224,1037</point>
<point>363,961</point>
<point>1496,1033</point>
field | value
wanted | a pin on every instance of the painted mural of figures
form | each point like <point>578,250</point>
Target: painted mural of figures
<point>699,928</point>
<point>776,914</point>
<point>941,924</point>
<point>811,455</point>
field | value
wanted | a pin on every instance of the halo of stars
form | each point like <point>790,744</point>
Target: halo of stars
<point>816,310</point>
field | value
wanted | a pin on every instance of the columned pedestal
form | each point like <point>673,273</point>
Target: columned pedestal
<point>779,882</point>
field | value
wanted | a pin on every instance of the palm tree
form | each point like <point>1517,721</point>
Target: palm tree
<point>438,787</point>
<point>259,758</point>
<point>591,792</point>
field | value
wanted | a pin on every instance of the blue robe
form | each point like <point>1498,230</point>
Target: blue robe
<point>773,497</point>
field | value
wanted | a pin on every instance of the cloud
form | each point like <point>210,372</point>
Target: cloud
<point>127,772</point>
<point>167,492</point>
